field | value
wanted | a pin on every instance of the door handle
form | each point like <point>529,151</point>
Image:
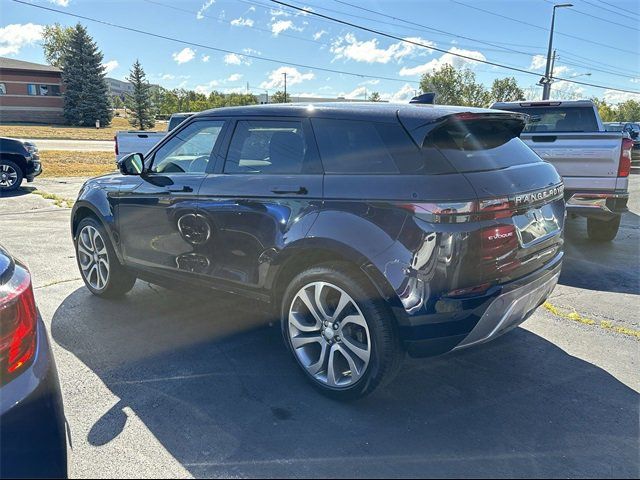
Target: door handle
<point>183,189</point>
<point>289,189</point>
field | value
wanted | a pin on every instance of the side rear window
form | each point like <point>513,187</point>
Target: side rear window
<point>361,147</point>
<point>482,144</point>
<point>269,147</point>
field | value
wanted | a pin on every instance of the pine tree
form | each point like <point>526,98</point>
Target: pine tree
<point>140,102</point>
<point>86,97</point>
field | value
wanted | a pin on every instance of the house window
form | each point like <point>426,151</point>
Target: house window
<point>32,89</point>
<point>3,89</point>
<point>44,90</point>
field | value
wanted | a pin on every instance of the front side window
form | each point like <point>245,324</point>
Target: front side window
<point>189,150</point>
<point>363,147</point>
<point>267,146</point>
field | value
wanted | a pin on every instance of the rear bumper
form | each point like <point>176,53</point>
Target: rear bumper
<point>32,424</point>
<point>604,205</point>
<point>502,309</point>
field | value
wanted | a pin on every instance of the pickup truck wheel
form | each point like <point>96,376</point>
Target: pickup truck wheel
<point>340,332</point>
<point>101,271</point>
<point>10,176</point>
<point>603,230</point>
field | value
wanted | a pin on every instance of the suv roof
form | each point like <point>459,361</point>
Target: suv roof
<point>366,110</point>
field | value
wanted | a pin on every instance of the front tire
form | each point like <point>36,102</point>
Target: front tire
<point>11,176</point>
<point>99,267</point>
<point>340,332</point>
<point>603,230</point>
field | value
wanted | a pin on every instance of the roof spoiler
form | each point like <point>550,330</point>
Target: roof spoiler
<point>424,99</point>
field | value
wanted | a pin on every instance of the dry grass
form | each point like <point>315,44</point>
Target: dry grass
<point>61,132</point>
<point>56,163</point>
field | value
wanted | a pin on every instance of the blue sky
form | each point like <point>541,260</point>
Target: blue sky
<point>608,46</point>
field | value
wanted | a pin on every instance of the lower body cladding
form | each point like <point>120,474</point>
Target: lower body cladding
<point>32,425</point>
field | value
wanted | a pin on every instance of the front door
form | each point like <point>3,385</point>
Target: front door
<point>157,214</point>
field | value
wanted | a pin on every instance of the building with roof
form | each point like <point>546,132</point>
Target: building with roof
<point>30,92</point>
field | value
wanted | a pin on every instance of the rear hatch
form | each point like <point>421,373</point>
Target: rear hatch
<point>519,213</point>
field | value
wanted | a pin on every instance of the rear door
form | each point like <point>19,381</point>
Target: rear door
<point>265,194</point>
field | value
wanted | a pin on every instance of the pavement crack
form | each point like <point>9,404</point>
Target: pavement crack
<point>57,282</point>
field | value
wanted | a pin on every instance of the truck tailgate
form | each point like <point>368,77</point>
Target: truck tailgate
<point>595,154</point>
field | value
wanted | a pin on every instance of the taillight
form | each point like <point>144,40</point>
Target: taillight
<point>115,140</point>
<point>624,167</point>
<point>18,323</point>
<point>458,212</point>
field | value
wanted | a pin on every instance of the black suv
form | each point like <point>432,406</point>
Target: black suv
<point>372,229</point>
<point>19,160</point>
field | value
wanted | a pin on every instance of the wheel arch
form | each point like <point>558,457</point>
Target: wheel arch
<point>83,209</point>
<point>17,159</point>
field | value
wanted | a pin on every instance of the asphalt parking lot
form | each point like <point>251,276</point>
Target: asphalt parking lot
<point>162,384</point>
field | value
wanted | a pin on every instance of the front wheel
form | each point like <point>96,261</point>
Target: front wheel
<point>603,230</point>
<point>340,332</point>
<point>101,271</point>
<point>10,176</point>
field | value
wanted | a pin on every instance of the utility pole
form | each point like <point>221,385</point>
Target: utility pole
<point>546,81</point>
<point>285,86</point>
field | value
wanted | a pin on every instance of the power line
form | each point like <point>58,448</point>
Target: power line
<point>595,5</point>
<point>467,57</point>
<point>574,10</point>
<point>586,61</point>
<point>617,6</point>
<point>575,37</point>
<point>209,47</point>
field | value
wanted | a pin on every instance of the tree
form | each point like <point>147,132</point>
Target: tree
<point>628,111</point>
<point>140,102</point>
<point>278,97</point>
<point>506,90</point>
<point>455,87</point>
<point>375,97</point>
<point>86,95</point>
<point>607,112</point>
<point>55,41</point>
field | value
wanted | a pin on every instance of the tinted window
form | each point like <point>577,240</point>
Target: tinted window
<point>189,150</point>
<point>176,120</point>
<point>352,146</point>
<point>559,119</point>
<point>483,144</point>
<point>269,147</point>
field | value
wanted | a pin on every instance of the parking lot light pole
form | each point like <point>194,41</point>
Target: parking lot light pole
<point>546,89</point>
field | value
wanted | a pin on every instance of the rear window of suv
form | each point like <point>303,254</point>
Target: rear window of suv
<point>364,147</point>
<point>559,119</point>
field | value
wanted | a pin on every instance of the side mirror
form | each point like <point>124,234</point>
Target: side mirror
<point>132,164</point>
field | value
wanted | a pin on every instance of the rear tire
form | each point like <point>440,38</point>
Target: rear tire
<point>603,230</point>
<point>349,345</point>
<point>99,266</point>
<point>11,176</point>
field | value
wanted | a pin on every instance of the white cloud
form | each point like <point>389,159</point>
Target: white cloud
<point>205,6</point>
<point>242,22</point>
<point>358,93</point>
<point>110,66</point>
<point>205,58</point>
<point>280,26</point>
<point>207,88</point>
<point>278,13</point>
<point>234,77</point>
<point>406,93</point>
<point>538,62</point>
<point>15,36</point>
<point>448,58</point>
<point>60,3</point>
<point>184,56</point>
<point>560,70</point>
<point>613,96</point>
<point>368,51</point>
<point>251,51</point>
<point>276,77</point>
<point>635,80</point>
<point>318,35</point>
<point>235,59</point>
<point>562,90</point>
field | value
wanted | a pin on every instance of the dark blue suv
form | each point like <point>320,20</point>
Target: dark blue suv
<point>372,229</point>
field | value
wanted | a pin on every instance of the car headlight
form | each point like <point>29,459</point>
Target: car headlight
<point>32,149</point>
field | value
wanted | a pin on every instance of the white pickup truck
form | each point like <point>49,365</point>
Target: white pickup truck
<point>594,163</point>
<point>141,141</point>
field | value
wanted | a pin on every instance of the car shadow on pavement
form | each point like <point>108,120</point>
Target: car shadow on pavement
<point>604,266</point>
<point>214,384</point>
<point>18,192</point>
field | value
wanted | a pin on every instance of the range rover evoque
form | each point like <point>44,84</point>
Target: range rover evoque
<point>372,229</point>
